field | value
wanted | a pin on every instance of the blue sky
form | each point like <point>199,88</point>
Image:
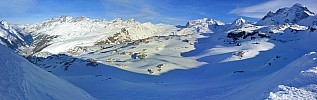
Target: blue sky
<point>176,12</point>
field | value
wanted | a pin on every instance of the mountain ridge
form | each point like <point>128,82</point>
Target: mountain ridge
<point>286,15</point>
<point>156,61</point>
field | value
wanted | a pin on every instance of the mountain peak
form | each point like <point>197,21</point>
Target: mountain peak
<point>4,24</point>
<point>239,21</point>
<point>207,21</point>
<point>300,7</point>
<point>59,19</point>
<point>286,15</point>
<point>64,18</point>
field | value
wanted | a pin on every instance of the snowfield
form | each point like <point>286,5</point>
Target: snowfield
<point>273,59</point>
<point>82,31</point>
<point>245,50</point>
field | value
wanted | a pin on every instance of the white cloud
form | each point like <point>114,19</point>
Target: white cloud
<point>260,10</point>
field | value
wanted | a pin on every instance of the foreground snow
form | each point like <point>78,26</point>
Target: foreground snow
<point>21,80</point>
<point>291,74</point>
<point>303,85</point>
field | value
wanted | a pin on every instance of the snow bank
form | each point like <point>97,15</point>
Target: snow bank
<point>286,76</point>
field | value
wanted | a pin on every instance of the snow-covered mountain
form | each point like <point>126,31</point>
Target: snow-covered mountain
<point>238,23</point>
<point>21,80</point>
<point>61,34</point>
<point>206,59</point>
<point>10,37</point>
<point>204,25</point>
<point>286,15</point>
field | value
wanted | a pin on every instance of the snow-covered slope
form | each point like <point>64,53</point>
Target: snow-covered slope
<point>206,59</point>
<point>300,73</point>
<point>217,68</point>
<point>21,80</point>
<point>286,15</point>
<point>11,38</point>
<point>152,56</point>
<point>58,35</point>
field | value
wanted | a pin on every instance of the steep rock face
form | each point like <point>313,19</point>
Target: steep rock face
<point>286,15</point>
<point>21,80</point>
<point>10,37</point>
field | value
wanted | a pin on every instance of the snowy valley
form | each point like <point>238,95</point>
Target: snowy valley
<point>274,59</point>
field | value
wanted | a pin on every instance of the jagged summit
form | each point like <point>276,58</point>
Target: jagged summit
<point>203,21</point>
<point>204,25</point>
<point>67,19</point>
<point>60,19</point>
<point>239,22</point>
<point>286,15</point>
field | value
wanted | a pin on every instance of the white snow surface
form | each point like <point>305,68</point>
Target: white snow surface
<point>288,75</point>
<point>21,80</point>
<point>286,92</point>
<point>206,59</point>
<point>83,31</point>
<point>248,48</point>
<point>196,66</point>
